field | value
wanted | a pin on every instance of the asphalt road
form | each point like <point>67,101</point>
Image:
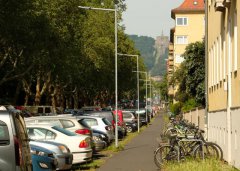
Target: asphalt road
<point>138,154</point>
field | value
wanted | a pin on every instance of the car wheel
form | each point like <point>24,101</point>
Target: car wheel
<point>129,129</point>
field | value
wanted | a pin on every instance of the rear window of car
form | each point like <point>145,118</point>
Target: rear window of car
<point>4,135</point>
<point>90,121</point>
<point>67,123</point>
<point>106,121</point>
<point>127,115</point>
<point>64,131</point>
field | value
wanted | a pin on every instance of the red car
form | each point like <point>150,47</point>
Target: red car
<point>122,129</point>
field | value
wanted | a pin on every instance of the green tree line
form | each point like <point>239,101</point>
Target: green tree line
<point>54,53</point>
<point>188,79</point>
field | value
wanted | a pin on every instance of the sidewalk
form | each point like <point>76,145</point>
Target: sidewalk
<point>138,154</point>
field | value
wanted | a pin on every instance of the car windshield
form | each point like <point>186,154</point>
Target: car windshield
<point>64,131</point>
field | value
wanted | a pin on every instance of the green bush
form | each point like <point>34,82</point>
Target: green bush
<point>189,105</point>
<point>176,108</point>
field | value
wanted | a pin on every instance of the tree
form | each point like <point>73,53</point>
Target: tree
<point>190,76</point>
<point>195,66</point>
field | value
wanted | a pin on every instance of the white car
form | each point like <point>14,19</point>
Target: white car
<point>79,145</point>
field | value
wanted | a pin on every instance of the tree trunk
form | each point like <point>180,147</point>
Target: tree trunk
<point>17,93</point>
<point>38,93</point>
<point>76,99</point>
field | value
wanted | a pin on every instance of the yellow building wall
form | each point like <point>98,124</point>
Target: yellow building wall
<point>218,27</point>
<point>195,31</point>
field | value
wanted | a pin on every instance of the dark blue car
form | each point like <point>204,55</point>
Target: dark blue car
<point>42,159</point>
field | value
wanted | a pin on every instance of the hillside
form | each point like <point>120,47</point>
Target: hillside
<point>153,54</point>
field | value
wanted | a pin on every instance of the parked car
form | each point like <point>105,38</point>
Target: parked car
<point>131,120</point>
<point>129,116</point>
<point>99,143</point>
<point>65,121</point>
<point>14,145</point>
<point>101,134</point>
<point>60,152</point>
<point>106,114</point>
<point>122,129</point>
<point>131,126</point>
<point>142,116</point>
<point>79,145</point>
<point>98,123</point>
<point>91,108</point>
<point>40,110</point>
<point>42,158</point>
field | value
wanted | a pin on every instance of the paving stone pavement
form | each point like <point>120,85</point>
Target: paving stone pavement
<point>138,154</point>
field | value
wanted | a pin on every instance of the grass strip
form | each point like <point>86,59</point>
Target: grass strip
<point>193,165</point>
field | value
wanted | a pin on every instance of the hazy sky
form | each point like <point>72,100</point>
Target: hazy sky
<point>149,17</point>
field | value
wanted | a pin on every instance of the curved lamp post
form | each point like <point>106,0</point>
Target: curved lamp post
<point>116,75</point>
<point>120,54</point>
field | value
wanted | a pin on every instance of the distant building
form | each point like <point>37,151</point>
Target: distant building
<point>189,27</point>
<point>161,53</point>
<point>161,44</point>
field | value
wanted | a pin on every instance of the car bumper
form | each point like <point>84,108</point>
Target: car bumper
<point>64,161</point>
<point>111,137</point>
<point>99,145</point>
<point>81,157</point>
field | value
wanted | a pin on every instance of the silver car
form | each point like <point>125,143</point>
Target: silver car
<point>14,145</point>
<point>98,123</point>
<point>60,152</point>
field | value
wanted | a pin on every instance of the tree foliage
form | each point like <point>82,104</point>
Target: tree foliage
<point>190,76</point>
<point>53,52</point>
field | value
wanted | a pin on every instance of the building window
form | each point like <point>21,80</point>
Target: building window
<point>181,21</point>
<point>182,40</point>
<point>179,59</point>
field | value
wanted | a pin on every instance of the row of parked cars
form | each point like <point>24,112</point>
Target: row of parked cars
<point>57,142</point>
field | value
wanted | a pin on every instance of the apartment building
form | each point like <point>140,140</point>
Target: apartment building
<point>223,73</point>
<point>189,27</point>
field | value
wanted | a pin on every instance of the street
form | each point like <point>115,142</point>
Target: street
<point>138,154</point>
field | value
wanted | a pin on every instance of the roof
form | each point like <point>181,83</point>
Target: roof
<point>189,6</point>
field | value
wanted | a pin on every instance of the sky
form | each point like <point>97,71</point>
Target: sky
<point>149,17</point>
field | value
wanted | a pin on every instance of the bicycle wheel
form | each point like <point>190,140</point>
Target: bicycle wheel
<point>220,151</point>
<point>206,151</point>
<point>164,154</point>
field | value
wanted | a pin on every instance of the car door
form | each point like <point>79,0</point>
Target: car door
<point>6,148</point>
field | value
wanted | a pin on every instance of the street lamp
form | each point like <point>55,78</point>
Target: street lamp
<point>146,95</point>
<point>120,54</point>
<point>116,75</point>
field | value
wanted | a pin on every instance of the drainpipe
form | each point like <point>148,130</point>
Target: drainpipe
<point>229,94</point>
<point>206,69</point>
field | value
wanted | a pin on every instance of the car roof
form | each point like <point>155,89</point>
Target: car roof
<point>50,117</point>
<point>42,125</point>
<point>90,116</point>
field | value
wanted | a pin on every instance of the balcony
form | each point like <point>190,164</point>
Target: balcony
<point>170,63</point>
<point>219,5</point>
<point>170,47</point>
<point>170,58</point>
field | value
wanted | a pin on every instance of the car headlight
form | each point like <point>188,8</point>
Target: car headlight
<point>63,149</point>
<point>41,153</point>
<point>43,165</point>
<point>96,138</point>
